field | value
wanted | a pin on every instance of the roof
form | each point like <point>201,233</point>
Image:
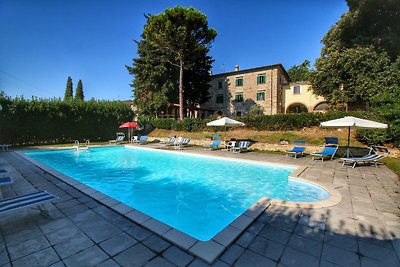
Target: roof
<point>279,66</point>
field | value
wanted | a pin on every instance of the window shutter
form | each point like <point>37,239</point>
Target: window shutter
<point>265,78</point>
<point>258,79</point>
<point>237,82</point>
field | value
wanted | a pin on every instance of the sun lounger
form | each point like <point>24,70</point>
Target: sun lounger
<point>141,140</point>
<point>120,137</point>
<point>34,199</point>
<point>181,143</point>
<point>214,145</point>
<point>328,152</point>
<point>298,148</point>
<point>331,141</point>
<point>243,146</point>
<point>5,146</point>
<point>376,154</point>
<point>3,171</point>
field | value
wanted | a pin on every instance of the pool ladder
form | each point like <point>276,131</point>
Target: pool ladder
<point>77,146</point>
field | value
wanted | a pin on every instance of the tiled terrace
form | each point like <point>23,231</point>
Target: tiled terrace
<point>362,230</point>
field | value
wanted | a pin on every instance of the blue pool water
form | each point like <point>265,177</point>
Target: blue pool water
<point>195,194</point>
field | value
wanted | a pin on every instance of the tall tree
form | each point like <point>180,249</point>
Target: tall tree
<point>300,73</point>
<point>358,51</point>
<point>175,43</point>
<point>68,90</point>
<point>368,22</point>
<point>79,91</point>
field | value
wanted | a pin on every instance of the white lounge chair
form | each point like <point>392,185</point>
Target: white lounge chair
<point>243,145</point>
<point>181,143</point>
<point>120,137</point>
<point>375,154</point>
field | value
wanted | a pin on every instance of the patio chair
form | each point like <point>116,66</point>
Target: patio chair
<point>120,137</point>
<point>141,140</point>
<point>375,154</point>
<point>298,149</point>
<point>34,199</point>
<point>331,141</point>
<point>181,143</point>
<point>5,146</point>
<point>328,152</point>
<point>214,145</point>
<point>243,146</point>
<point>169,142</point>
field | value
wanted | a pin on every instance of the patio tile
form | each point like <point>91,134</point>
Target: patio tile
<point>100,231</point>
<point>28,246</point>
<point>136,255</point>
<point>87,257</point>
<point>249,258</point>
<point>267,248</point>
<point>157,227</point>
<point>306,245</point>
<point>232,254</point>
<point>292,257</point>
<point>158,262</point>
<point>347,242</point>
<point>64,234</point>
<point>385,256</point>
<point>275,234</point>
<point>117,243</point>
<point>108,263</point>
<point>53,225</point>
<point>138,232</point>
<point>340,256</point>
<point>245,239</point>
<point>309,232</point>
<point>156,243</point>
<point>177,256</point>
<point>73,245</point>
<point>44,257</point>
<point>227,236</point>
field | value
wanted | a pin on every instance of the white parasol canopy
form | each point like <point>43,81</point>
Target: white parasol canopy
<point>225,122</point>
<point>352,123</point>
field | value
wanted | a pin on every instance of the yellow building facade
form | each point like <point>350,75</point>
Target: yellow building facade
<point>299,97</point>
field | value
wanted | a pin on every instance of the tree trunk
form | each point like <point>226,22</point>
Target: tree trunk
<point>181,90</point>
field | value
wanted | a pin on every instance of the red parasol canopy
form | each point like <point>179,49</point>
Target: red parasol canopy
<point>129,125</point>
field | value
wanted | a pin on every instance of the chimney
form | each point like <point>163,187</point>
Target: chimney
<point>236,67</point>
<point>211,72</point>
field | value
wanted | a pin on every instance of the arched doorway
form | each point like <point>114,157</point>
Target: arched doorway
<point>296,108</point>
<point>321,107</point>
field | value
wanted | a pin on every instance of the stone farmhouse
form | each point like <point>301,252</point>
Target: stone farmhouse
<point>234,93</point>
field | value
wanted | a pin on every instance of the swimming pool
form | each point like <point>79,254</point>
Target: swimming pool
<point>197,195</point>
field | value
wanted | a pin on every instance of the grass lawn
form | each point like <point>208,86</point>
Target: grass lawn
<point>393,164</point>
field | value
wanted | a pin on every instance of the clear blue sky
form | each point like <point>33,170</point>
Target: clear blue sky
<point>45,41</point>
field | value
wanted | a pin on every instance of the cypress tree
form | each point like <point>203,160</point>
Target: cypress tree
<point>68,89</point>
<point>79,91</point>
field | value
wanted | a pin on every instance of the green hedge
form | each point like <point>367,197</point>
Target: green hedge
<point>46,121</point>
<point>288,122</point>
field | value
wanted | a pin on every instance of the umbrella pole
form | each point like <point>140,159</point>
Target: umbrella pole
<point>348,143</point>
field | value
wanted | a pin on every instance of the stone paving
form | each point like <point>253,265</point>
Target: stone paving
<point>362,230</point>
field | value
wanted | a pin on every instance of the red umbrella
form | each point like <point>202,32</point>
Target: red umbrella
<point>129,125</point>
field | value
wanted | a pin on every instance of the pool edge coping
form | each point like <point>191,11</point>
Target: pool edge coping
<point>208,251</point>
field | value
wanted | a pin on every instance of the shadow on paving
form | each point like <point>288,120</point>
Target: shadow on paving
<point>82,232</point>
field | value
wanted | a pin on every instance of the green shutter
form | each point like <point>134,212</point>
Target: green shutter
<point>237,82</point>
<point>265,78</point>
<point>258,79</point>
<point>242,81</point>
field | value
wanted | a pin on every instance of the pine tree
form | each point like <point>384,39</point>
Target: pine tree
<point>68,90</point>
<point>79,91</point>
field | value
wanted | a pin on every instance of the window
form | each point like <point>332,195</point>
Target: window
<point>238,114</point>
<point>239,97</point>
<point>261,79</point>
<point>219,84</point>
<point>296,90</point>
<point>239,81</point>
<point>220,99</point>
<point>260,96</point>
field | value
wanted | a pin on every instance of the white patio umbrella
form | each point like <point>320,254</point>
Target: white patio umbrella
<point>352,123</point>
<point>225,122</point>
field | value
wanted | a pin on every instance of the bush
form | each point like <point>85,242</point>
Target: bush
<point>46,121</point>
<point>372,136</point>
